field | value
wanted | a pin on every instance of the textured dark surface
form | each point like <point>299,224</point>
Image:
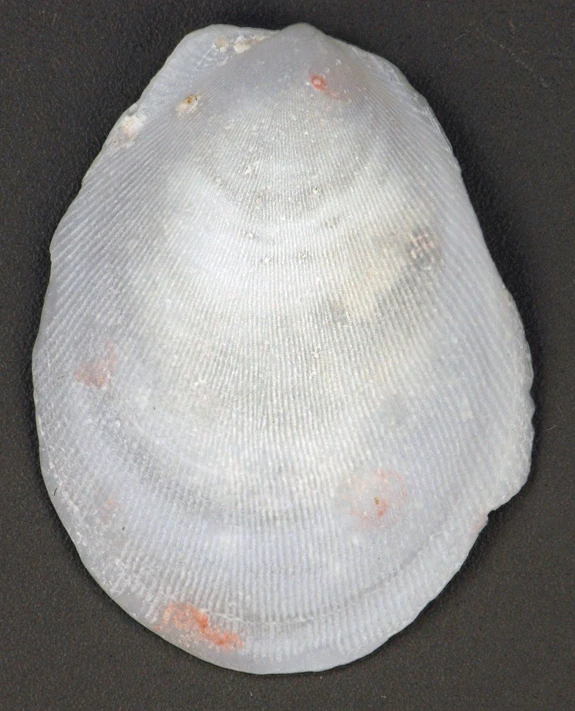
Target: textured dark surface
<point>501,79</point>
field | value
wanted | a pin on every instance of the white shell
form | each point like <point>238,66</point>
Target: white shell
<point>279,382</point>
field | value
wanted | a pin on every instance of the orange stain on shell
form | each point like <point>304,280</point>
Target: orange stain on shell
<point>97,373</point>
<point>380,506</point>
<point>318,81</point>
<point>375,499</point>
<point>479,525</point>
<point>108,509</point>
<point>194,623</point>
<point>391,478</point>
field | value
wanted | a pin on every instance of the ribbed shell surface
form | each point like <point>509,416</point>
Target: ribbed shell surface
<point>279,383</point>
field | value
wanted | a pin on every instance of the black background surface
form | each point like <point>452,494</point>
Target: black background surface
<point>501,78</point>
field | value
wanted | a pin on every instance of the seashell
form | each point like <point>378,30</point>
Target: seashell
<point>279,383</point>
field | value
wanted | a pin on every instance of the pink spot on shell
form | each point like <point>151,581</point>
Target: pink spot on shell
<point>479,525</point>
<point>374,500</point>
<point>318,81</point>
<point>193,624</point>
<point>97,373</point>
<point>108,509</point>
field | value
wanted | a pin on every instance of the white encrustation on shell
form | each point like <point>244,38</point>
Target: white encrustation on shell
<point>279,383</point>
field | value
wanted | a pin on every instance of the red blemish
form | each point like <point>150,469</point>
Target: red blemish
<point>479,525</point>
<point>380,506</point>
<point>374,499</point>
<point>391,478</point>
<point>97,373</point>
<point>318,82</point>
<point>108,509</point>
<point>192,622</point>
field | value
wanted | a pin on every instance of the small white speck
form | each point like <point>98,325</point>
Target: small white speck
<point>126,131</point>
<point>241,45</point>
